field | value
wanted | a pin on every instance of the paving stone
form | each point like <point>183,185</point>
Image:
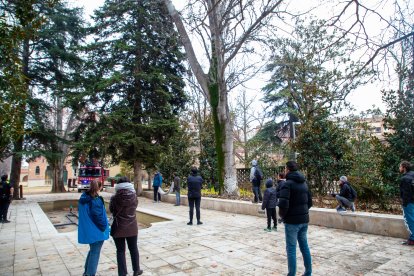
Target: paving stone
<point>226,244</point>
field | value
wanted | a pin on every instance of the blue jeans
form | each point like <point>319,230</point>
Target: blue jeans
<point>92,260</point>
<point>177,198</point>
<point>408,213</point>
<point>293,233</point>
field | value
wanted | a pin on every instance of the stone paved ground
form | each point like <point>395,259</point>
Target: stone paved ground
<point>226,244</point>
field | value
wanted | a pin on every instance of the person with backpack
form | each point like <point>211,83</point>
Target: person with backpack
<point>346,196</point>
<point>256,177</point>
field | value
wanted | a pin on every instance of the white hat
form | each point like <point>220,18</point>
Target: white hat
<point>343,178</point>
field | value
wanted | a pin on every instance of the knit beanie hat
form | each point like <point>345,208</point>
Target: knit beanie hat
<point>269,183</point>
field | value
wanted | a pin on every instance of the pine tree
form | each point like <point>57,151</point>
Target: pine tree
<point>55,73</point>
<point>136,80</point>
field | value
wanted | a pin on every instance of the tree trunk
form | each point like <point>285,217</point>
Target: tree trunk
<point>18,144</point>
<point>58,183</point>
<point>16,167</point>
<point>214,89</point>
<point>137,177</point>
<point>223,130</point>
<point>149,180</point>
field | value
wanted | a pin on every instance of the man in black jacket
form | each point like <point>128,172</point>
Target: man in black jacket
<point>407,197</point>
<point>6,192</point>
<point>194,183</point>
<point>345,197</point>
<point>295,200</point>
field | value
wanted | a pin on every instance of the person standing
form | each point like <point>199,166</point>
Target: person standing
<point>294,204</point>
<point>281,179</point>
<point>93,227</point>
<point>194,183</point>
<point>407,198</point>
<point>157,184</point>
<point>256,177</point>
<point>177,189</point>
<point>6,193</point>
<point>124,228</point>
<point>269,203</point>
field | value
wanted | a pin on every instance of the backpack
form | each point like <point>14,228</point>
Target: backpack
<point>258,173</point>
<point>353,192</point>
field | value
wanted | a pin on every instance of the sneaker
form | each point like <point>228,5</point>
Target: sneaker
<point>254,201</point>
<point>408,242</point>
<point>340,209</point>
<point>274,228</point>
<point>6,221</point>
<point>199,223</point>
<point>190,223</point>
<point>176,204</point>
<point>268,229</point>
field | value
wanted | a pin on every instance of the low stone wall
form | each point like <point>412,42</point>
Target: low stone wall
<point>370,223</point>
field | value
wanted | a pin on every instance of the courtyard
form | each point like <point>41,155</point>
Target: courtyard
<point>226,244</point>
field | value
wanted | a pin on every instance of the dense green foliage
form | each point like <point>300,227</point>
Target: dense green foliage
<point>177,157</point>
<point>322,147</point>
<point>208,154</point>
<point>19,21</point>
<point>135,83</point>
<point>311,76</point>
<point>400,139</point>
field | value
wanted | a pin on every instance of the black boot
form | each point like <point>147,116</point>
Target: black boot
<point>139,272</point>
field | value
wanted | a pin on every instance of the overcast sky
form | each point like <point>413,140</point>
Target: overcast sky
<point>362,99</point>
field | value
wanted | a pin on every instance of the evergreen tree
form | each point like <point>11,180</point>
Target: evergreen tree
<point>15,17</point>
<point>311,77</point>
<point>136,81</point>
<point>53,70</point>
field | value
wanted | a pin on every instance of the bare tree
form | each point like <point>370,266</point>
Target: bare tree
<point>246,122</point>
<point>227,30</point>
<point>391,28</point>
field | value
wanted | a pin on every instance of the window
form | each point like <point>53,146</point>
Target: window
<point>37,171</point>
<point>89,172</point>
<point>378,130</point>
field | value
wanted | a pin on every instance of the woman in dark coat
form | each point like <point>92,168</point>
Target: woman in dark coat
<point>123,207</point>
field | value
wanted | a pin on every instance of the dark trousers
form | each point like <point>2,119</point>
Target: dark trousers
<point>257,193</point>
<point>4,208</point>
<point>271,214</point>
<point>120,254</point>
<point>191,203</point>
<point>156,194</point>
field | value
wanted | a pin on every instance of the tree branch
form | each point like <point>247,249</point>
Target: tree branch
<point>191,56</point>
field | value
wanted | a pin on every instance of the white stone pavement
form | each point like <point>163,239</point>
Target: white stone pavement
<point>226,244</point>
